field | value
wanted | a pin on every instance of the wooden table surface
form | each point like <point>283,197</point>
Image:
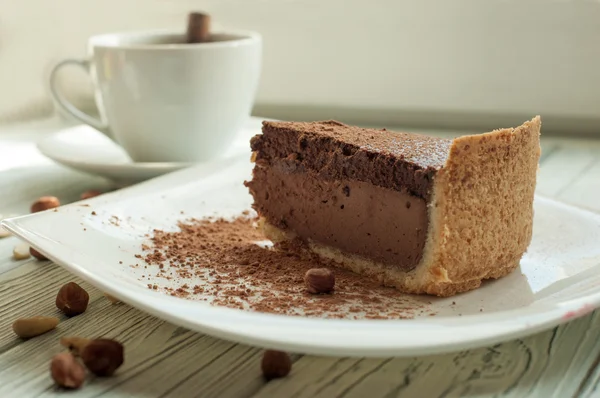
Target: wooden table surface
<point>164,360</point>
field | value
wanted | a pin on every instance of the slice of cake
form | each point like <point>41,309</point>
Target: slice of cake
<point>422,214</point>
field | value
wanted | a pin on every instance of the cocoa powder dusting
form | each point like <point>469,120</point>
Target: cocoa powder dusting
<point>229,263</point>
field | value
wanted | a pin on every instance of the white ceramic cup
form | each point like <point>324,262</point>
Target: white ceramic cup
<point>164,100</point>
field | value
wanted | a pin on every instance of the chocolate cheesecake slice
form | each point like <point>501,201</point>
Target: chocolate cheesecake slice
<point>419,213</point>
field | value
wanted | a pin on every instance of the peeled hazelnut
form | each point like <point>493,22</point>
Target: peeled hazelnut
<point>72,299</point>
<point>37,254</point>
<point>90,194</point>
<point>75,344</point>
<point>45,203</point>
<point>102,356</point>
<point>66,371</point>
<point>319,280</point>
<point>26,328</point>
<point>4,232</point>
<point>275,364</point>
<point>21,251</point>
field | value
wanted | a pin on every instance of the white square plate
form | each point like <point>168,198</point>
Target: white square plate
<point>559,277</point>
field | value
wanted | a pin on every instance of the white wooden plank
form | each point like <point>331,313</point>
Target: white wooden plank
<point>19,188</point>
<point>548,364</point>
<point>31,290</point>
<point>235,374</point>
<point>585,189</point>
<point>7,262</point>
<point>160,357</point>
<point>547,150</point>
<point>591,388</point>
<point>562,167</point>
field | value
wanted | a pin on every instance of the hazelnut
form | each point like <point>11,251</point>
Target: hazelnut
<point>319,280</point>
<point>4,232</point>
<point>30,327</point>
<point>21,251</point>
<point>102,356</point>
<point>37,254</point>
<point>275,364</point>
<point>90,194</point>
<point>66,371</point>
<point>72,299</point>
<point>45,203</point>
<point>75,344</point>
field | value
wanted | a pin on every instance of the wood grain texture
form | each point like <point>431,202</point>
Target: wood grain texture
<point>163,360</point>
<point>563,167</point>
<point>546,365</point>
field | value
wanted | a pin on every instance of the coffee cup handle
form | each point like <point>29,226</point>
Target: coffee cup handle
<point>68,106</point>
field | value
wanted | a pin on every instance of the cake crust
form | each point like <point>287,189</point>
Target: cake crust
<point>481,214</point>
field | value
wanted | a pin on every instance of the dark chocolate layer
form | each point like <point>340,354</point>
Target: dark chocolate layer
<point>382,224</point>
<point>332,150</point>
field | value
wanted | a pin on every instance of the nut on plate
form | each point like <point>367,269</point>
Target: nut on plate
<point>45,203</point>
<point>275,364</point>
<point>66,371</point>
<point>26,328</point>
<point>72,299</point>
<point>319,280</point>
<point>102,357</point>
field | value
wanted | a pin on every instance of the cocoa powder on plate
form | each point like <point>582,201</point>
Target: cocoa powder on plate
<point>229,263</point>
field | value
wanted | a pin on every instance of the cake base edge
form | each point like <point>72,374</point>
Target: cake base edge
<point>417,281</point>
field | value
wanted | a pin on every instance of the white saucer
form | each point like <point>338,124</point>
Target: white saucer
<point>85,149</point>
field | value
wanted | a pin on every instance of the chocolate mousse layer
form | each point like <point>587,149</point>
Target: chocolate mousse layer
<point>360,218</point>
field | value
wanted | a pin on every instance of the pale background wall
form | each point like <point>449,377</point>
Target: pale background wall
<point>438,62</point>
